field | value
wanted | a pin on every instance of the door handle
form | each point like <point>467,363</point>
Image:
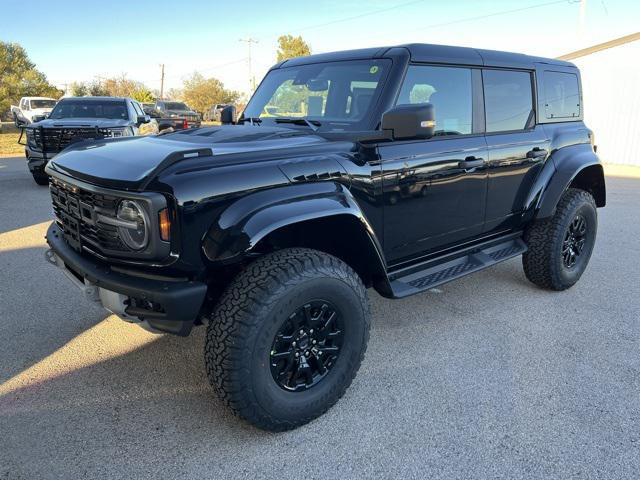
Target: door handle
<point>537,152</point>
<point>471,162</point>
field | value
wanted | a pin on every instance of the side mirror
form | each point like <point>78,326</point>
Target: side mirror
<point>407,122</point>
<point>228,115</point>
<point>38,118</point>
<point>143,119</point>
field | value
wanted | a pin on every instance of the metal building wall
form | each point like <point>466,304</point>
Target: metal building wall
<point>611,97</point>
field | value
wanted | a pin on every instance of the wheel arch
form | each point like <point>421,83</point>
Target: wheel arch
<point>576,166</point>
<point>320,215</point>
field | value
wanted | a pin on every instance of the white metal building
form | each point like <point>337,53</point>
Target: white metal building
<point>610,75</point>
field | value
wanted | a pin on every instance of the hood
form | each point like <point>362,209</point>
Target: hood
<point>40,111</point>
<point>81,122</point>
<point>128,162</point>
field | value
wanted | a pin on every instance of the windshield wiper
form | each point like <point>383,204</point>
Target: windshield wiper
<point>312,124</point>
<point>251,120</point>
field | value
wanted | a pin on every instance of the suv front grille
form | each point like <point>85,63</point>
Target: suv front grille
<point>77,211</point>
<point>53,140</point>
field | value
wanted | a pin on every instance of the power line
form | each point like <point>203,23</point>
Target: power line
<point>252,80</point>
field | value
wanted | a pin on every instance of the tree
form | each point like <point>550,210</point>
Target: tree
<point>142,94</point>
<point>292,47</point>
<point>78,89</point>
<point>201,93</point>
<point>19,77</point>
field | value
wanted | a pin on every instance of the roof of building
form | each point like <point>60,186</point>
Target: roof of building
<point>601,46</point>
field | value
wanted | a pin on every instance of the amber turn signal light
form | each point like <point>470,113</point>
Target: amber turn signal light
<point>164,224</point>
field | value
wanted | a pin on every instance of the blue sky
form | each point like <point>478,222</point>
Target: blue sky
<point>73,40</point>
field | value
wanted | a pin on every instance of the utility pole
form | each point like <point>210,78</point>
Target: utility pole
<point>252,80</point>
<point>161,81</point>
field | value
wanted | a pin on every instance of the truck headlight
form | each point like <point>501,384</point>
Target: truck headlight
<point>133,225</point>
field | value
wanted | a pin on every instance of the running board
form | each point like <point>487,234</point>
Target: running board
<point>439,271</point>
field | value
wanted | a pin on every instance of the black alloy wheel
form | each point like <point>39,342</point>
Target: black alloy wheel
<point>307,346</point>
<point>574,240</point>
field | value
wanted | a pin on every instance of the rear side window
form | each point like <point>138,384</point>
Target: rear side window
<point>448,89</point>
<point>561,95</point>
<point>508,100</point>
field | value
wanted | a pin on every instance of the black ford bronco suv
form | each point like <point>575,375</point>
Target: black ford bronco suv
<point>396,168</point>
<point>76,119</point>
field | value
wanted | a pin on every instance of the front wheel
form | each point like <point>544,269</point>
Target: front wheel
<point>560,247</point>
<point>287,338</point>
<point>40,178</point>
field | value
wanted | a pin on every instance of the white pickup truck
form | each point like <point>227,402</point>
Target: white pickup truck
<point>30,107</point>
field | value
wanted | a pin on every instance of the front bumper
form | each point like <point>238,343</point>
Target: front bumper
<point>160,304</point>
<point>36,159</point>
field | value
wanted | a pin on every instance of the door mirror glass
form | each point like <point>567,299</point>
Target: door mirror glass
<point>407,122</point>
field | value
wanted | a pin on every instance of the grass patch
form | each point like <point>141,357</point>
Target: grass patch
<point>9,146</point>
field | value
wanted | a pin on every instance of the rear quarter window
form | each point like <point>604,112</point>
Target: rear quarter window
<point>561,95</point>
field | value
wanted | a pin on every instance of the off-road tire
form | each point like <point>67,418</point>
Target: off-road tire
<point>243,325</point>
<point>40,178</point>
<point>543,261</point>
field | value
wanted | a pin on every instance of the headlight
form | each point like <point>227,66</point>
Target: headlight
<point>118,132</point>
<point>133,225</point>
<point>173,115</point>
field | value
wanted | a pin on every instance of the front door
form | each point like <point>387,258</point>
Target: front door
<point>435,190</point>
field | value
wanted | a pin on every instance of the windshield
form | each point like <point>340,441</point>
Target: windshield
<point>336,95</point>
<point>43,103</point>
<point>90,109</point>
<point>175,106</point>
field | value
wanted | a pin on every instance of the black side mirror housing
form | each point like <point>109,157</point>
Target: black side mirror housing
<point>408,122</point>
<point>228,115</point>
<point>143,119</point>
<point>38,118</point>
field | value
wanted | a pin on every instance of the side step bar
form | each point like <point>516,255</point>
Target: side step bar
<point>439,271</point>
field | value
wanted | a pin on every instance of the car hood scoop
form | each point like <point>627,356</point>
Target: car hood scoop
<point>131,162</point>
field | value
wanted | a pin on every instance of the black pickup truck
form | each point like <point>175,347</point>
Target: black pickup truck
<point>175,115</point>
<point>77,119</point>
<point>397,168</point>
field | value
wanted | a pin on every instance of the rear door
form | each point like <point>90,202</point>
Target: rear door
<point>434,190</point>
<point>517,146</point>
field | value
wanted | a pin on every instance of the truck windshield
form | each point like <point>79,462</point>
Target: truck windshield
<point>334,95</point>
<point>175,106</point>
<point>90,109</point>
<point>43,103</point>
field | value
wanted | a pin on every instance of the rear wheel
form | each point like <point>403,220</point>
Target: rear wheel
<point>287,338</point>
<point>560,247</point>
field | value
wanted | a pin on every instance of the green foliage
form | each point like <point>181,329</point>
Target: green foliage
<point>143,94</point>
<point>19,77</point>
<point>292,47</point>
<point>201,93</point>
<point>78,89</point>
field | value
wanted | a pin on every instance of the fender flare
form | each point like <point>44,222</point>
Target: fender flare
<point>244,223</point>
<point>567,164</point>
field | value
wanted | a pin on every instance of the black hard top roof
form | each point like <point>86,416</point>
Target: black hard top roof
<point>429,53</point>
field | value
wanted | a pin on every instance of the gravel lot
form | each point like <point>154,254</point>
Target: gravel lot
<point>487,377</point>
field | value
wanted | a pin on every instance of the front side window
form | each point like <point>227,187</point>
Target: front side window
<point>562,95</point>
<point>448,89</point>
<point>90,109</point>
<point>508,100</point>
<point>334,95</point>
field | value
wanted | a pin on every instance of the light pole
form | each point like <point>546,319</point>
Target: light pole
<point>252,80</point>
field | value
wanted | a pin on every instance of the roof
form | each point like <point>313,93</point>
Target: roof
<point>601,46</point>
<point>431,53</point>
<point>90,98</point>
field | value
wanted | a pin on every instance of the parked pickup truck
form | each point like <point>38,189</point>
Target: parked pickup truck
<point>30,107</point>
<point>76,119</point>
<point>397,169</point>
<point>176,115</point>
